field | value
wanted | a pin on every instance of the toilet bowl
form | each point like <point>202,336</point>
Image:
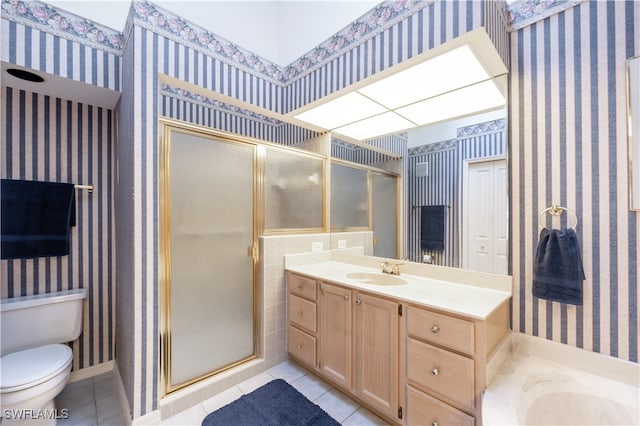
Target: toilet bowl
<point>35,366</point>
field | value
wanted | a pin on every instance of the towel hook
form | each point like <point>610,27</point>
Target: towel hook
<point>555,210</point>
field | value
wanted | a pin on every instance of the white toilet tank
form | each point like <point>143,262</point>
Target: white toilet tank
<point>31,321</point>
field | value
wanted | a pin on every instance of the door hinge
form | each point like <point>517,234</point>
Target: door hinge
<point>252,252</point>
<point>399,310</point>
<point>399,412</point>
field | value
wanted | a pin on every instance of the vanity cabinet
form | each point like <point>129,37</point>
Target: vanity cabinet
<point>355,337</point>
<point>408,363</point>
<point>302,314</point>
<point>446,364</point>
<point>358,340</point>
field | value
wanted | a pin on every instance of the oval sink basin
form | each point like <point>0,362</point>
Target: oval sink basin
<point>376,278</point>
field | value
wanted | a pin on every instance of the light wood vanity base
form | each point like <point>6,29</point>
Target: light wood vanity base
<point>408,363</point>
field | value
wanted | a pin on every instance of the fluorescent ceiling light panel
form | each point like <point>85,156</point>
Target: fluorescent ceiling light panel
<point>382,124</point>
<point>449,71</point>
<point>343,110</point>
<point>471,99</point>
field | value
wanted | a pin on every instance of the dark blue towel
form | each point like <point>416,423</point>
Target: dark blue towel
<point>36,218</point>
<point>557,268</point>
<point>432,219</point>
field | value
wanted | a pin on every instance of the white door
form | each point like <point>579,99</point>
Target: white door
<point>485,221</point>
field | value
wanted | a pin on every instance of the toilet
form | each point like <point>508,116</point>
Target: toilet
<point>35,364</point>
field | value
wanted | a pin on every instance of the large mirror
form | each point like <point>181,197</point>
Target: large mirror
<point>454,209</point>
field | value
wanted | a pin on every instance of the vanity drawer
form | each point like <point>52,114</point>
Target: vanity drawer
<point>440,329</point>
<point>302,346</point>
<point>443,372</point>
<point>423,409</point>
<point>302,313</point>
<point>302,286</point>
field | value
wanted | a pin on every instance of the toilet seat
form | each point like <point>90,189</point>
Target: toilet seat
<point>24,369</point>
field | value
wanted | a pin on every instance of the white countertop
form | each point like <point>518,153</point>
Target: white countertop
<point>468,300</point>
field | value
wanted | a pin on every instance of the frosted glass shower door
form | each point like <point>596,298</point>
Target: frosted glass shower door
<point>385,215</point>
<point>212,276</point>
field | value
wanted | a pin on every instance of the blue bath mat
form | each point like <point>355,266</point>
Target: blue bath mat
<point>275,404</point>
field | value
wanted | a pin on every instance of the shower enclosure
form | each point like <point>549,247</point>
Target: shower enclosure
<point>208,232</point>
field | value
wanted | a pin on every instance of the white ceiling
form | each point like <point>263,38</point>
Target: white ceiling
<point>278,30</point>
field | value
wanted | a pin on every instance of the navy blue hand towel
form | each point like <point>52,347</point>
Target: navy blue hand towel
<point>557,268</point>
<point>432,219</point>
<point>36,218</point>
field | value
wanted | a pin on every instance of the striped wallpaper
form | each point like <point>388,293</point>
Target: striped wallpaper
<point>129,312</point>
<point>443,184</point>
<point>594,174</point>
<point>406,38</point>
<point>429,27</point>
<point>237,122</point>
<point>203,115</point>
<point>569,147</point>
<point>28,47</point>
<point>55,140</point>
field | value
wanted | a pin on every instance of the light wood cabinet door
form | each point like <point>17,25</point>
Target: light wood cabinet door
<point>377,352</point>
<point>335,336</point>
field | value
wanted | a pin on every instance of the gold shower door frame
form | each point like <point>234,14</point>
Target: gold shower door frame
<point>166,127</point>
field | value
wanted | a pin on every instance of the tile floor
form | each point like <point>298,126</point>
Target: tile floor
<point>94,401</point>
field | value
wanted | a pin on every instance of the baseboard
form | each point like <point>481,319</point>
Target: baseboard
<point>149,419</point>
<point>94,370</point>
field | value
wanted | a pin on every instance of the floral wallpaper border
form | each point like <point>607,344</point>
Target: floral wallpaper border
<point>362,29</point>
<point>207,102</point>
<point>492,126</point>
<point>525,12</point>
<point>44,17</point>
<point>433,147</point>
<point>339,142</point>
<point>170,25</point>
<point>155,18</point>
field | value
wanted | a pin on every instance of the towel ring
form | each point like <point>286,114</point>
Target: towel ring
<point>557,211</point>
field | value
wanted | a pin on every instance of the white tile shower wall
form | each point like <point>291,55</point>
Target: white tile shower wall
<point>274,295</point>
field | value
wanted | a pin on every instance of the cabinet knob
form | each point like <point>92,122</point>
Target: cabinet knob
<point>346,297</point>
<point>358,301</point>
<point>435,329</point>
<point>434,423</point>
<point>299,345</point>
<point>435,371</point>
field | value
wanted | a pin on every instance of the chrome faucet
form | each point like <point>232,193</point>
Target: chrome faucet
<point>391,268</point>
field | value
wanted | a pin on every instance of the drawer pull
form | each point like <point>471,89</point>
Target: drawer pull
<point>435,371</point>
<point>435,329</point>
<point>358,301</point>
<point>299,345</point>
<point>300,286</point>
<point>434,423</point>
<point>346,297</point>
